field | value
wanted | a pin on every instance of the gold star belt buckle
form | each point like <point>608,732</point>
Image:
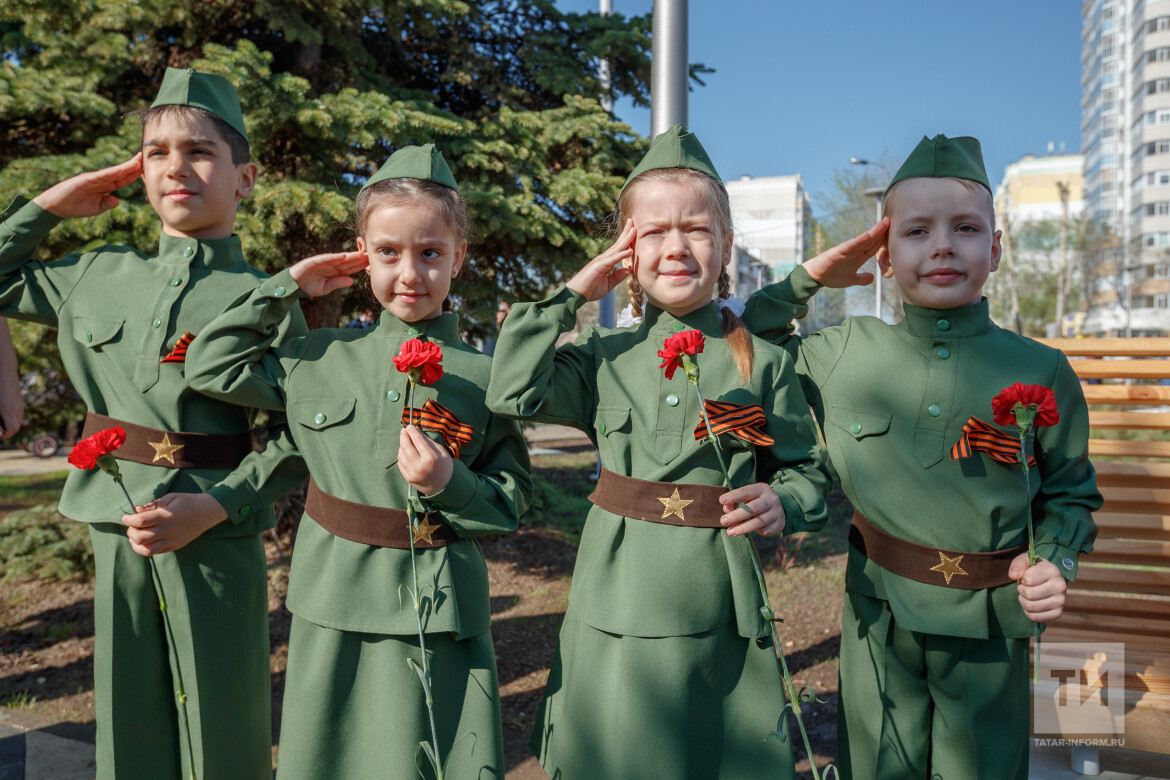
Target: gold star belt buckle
<point>164,450</point>
<point>949,567</point>
<point>424,530</point>
<point>674,504</point>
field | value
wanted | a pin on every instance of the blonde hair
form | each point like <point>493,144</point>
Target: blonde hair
<point>716,203</point>
<point>973,186</point>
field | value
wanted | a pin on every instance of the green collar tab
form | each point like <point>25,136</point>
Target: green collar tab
<point>416,162</point>
<point>941,157</point>
<point>676,148</point>
<point>189,87</point>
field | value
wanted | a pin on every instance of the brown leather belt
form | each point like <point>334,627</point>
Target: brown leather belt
<point>948,568</point>
<point>692,506</point>
<point>174,449</point>
<point>374,525</point>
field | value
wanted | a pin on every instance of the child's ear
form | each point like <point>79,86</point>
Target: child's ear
<point>996,249</point>
<point>247,182</point>
<point>883,261</point>
<point>727,248</point>
<point>460,253</point>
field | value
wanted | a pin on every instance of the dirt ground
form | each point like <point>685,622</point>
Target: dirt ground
<point>46,626</point>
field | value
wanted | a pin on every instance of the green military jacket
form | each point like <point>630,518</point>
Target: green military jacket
<point>635,577</point>
<point>118,313</point>
<point>344,399</point>
<point>893,400</point>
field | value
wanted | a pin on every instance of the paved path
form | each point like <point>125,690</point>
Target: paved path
<point>17,462</point>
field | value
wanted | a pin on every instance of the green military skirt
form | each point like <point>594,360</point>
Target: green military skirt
<point>354,707</point>
<point>699,706</point>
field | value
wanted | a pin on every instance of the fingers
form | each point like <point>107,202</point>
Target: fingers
<point>1043,610</point>
<point>146,517</point>
<point>1018,566</point>
<point>345,263</point>
<point>763,512</point>
<point>125,173</point>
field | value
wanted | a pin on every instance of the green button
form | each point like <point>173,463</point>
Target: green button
<point>601,428</point>
<point>244,510</point>
<point>855,428</point>
<point>279,291</point>
<point>934,409</point>
<point>393,395</point>
<point>157,322</point>
<point>89,337</point>
<point>188,252</point>
<point>943,353</point>
<point>413,331</point>
<point>319,418</point>
<point>176,281</point>
<point>944,325</point>
<point>672,400</point>
<point>679,327</point>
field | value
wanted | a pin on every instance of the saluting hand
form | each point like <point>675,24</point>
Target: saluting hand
<point>172,522</point>
<point>422,462</point>
<point>766,515</point>
<point>838,266</point>
<point>89,194</point>
<point>607,270</point>
<point>1042,588</point>
<point>322,274</point>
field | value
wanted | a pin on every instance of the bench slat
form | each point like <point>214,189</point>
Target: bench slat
<point>1145,421</point>
<point>1093,577</point>
<point>1127,525</point>
<point>1153,347</point>
<point>1132,553</point>
<point>1127,394</point>
<point>1122,369</point>
<point>1129,449</point>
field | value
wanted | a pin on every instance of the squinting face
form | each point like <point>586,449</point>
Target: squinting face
<point>677,252</point>
<point>413,255</point>
<point>190,178</point>
<point>941,247</point>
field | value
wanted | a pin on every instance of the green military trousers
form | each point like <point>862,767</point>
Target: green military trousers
<point>915,706</point>
<point>217,601</point>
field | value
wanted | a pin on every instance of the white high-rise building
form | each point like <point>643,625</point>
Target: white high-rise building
<point>773,220</point>
<point>1125,124</point>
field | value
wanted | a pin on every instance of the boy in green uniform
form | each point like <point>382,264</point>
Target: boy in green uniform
<point>124,322</point>
<point>934,643</point>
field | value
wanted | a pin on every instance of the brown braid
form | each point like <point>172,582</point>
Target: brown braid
<point>734,331</point>
<point>636,294</point>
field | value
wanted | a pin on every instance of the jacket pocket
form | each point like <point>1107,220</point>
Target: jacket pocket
<point>320,413</point>
<point>860,423</point>
<point>93,332</point>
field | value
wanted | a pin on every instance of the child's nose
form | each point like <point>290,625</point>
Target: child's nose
<point>941,244</point>
<point>410,272</point>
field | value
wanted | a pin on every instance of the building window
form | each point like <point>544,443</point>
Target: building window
<point>1161,24</point>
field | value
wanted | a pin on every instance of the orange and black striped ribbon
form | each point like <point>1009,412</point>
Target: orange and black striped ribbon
<point>746,422</point>
<point>438,418</point>
<point>979,436</point>
<point>179,353</point>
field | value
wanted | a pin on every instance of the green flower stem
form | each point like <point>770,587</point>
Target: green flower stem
<point>181,693</point>
<point>412,522</point>
<point>1032,557</point>
<point>790,691</point>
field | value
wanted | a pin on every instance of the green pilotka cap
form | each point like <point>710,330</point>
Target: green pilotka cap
<point>189,87</point>
<point>416,162</point>
<point>676,148</point>
<point>941,157</point>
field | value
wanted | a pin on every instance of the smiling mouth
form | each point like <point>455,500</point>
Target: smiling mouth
<point>943,275</point>
<point>410,296</point>
<point>180,194</point>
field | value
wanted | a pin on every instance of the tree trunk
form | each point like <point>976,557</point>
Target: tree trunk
<point>324,312</point>
<point>1064,275</point>
<point>1009,260</point>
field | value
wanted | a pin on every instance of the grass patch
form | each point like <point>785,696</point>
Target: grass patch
<point>38,542</point>
<point>21,700</point>
<point>30,490</point>
<point>562,485</point>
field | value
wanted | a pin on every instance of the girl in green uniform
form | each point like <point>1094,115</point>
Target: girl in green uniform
<point>665,666</point>
<point>353,704</point>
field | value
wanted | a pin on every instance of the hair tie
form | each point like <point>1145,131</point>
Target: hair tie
<point>626,318</point>
<point>736,305</point>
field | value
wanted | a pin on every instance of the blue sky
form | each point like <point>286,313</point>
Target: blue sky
<point>800,87</point>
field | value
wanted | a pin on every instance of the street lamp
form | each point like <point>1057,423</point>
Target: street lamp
<point>877,193</point>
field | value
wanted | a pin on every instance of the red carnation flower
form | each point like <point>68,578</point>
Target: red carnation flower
<point>1037,399</point>
<point>422,360</point>
<point>85,455</point>
<point>689,342</point>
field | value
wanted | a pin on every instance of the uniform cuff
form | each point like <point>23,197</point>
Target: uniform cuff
<point>282,287</point>
<point>570,300</point>
<point>238,500</point>
<point>1066,559</point>
<point>802,285</point>
<point>458,493</point>
<point>793,511</point>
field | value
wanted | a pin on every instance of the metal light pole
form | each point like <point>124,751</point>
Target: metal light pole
<point>669,69</point>
<point>878,194</point>
<point>606,306</point>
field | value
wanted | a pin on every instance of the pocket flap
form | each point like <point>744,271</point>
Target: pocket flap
<point>95,331</point>
<point>321,413</point>
<point>860,423</point>
<point>607,419</point>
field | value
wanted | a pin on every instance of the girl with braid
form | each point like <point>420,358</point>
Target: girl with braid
<point>665,666</point>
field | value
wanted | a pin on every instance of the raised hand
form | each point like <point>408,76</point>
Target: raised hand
<point>607,270</point>
<point>322,274</point>
<point>89,194</point>
<point>837,267</point>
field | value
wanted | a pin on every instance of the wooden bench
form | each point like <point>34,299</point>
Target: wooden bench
<point>1122,591</point>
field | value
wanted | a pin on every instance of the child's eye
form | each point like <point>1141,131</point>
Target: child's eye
<point>156,153</point>
<point>967,228</point>
<point>431,254</point>
<point>653,234</point>
<point>386,251</point>
<point>916,231</point>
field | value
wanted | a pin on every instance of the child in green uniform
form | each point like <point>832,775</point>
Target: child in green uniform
<point>353,705</point>
<point>665,666</point>
<point>934,646</point>
<point>124,320</point>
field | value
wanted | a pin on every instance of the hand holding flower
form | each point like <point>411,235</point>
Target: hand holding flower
<point>423,463</point>
<point>1042,588</point>
<point>764,513</point>
<point>172,522</point>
